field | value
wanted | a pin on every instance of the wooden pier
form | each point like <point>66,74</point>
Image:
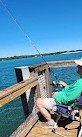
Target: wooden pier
<point>72,131</point>
<point>33,82</point>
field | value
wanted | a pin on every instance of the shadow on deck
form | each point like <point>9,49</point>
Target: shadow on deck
<point>66,127</point>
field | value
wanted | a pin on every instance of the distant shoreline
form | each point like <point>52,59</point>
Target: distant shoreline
<point>36,55</point>
<point>71,52</point>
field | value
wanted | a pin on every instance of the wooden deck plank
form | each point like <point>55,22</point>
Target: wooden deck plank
<point>37,131</point>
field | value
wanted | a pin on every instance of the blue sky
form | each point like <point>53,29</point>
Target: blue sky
<point>52,25</point>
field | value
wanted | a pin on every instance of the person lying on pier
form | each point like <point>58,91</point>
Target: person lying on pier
<point>67,97</point>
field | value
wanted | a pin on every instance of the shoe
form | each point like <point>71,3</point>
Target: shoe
<point>46,125</point>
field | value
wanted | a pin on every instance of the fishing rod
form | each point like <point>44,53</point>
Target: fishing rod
<point>15,20</point>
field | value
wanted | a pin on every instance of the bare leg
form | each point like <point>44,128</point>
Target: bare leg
<point>42,109</point>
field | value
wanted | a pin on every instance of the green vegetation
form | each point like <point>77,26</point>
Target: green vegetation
<point>27,56</point>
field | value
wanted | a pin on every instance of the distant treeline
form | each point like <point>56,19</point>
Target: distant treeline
<point>27,56</point>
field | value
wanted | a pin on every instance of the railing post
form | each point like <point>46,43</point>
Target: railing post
<point>44,79</point>
<point>22,73</point>
<point>48,81</point>
<point>38,91</point>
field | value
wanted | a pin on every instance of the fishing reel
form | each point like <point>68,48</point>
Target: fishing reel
<point>54,84</point>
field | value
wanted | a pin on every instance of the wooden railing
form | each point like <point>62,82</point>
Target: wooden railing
<point>37,85</point>
<point>39,77</point>
<point>12,92</point>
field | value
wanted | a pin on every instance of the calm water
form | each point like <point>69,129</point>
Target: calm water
<point>11,114</point>
<point>7,73</point>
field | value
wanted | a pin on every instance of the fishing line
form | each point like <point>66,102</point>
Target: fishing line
<point>15,20</point>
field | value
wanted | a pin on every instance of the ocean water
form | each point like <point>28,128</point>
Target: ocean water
<point>11,114</point>
<point>7,73</point>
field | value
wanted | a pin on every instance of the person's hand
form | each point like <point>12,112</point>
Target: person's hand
<point>62,84</point>
<point>54,93</point>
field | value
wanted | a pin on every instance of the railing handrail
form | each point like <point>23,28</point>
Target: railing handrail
<point>16,90</point>
<point>64,63</point>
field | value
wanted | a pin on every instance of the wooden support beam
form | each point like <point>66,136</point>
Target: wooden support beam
<point>48,82</point>
<point>22,74</point>
<point>38,91</point>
